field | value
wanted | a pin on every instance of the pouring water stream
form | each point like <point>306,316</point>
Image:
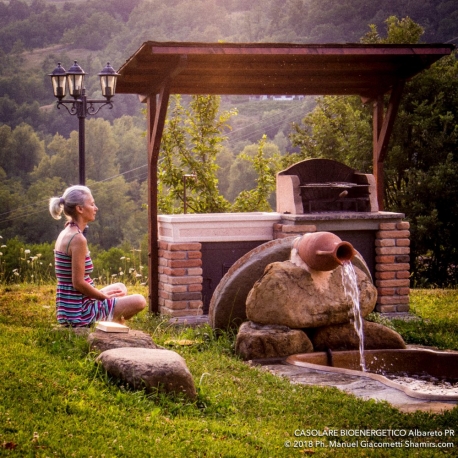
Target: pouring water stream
<point>350,285</point>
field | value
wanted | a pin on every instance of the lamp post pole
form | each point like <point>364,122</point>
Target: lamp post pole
<point>81,106</point>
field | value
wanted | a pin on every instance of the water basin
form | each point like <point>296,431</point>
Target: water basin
<point>411,362</point>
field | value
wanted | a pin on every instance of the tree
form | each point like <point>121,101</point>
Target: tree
<point>338,128</point>
<point>257,199</point>
<point>249,165</point>
<point>32,219</point>
<point>115,208</point>
<point>131,154</point>
<point>224,161</point>
<point>191,141</point>
<point>92,35</point>
<point>101,150</point>
<point>11,200</point>
<point>61,160</point>
<point>21,151</point>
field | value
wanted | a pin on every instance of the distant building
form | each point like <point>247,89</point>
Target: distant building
<point>278,98</point>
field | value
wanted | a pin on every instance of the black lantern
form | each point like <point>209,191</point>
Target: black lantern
<point>59,81</point>
<point>75,79</point>
<point>108,78</point>
<point>82,106</point>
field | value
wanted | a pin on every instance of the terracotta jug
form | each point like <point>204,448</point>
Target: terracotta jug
<point>324,250</point>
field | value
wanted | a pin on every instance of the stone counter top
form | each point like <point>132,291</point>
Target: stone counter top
<point>339,216</point>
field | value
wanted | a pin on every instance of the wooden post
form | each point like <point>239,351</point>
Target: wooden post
<point>377,121</point>
<point>382,128</point>
<point>157,111</point>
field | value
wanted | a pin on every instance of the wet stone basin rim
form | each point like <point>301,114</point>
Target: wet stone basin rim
<point>414,362</point>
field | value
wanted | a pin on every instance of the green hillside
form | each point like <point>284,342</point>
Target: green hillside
<point>38,143</point>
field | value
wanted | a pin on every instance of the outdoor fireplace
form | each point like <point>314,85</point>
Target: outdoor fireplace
<point>324,185</point>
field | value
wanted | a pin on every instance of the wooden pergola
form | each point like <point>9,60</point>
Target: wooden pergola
<point>157,70</point>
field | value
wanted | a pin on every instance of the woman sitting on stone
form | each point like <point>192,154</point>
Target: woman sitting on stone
<point>78,302</point>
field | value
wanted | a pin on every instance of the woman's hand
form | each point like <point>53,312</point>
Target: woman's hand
<point>112,292</point>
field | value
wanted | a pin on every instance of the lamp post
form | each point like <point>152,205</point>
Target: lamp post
<point>81,106</point>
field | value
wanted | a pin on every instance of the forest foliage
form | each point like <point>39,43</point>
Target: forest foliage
<point>248,141</point>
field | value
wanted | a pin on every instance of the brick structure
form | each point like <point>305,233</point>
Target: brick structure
<point>382,238</point>
<point>180,279</point>
<point>392,276</point>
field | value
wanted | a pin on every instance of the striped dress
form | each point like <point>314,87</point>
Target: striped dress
<point>72,307</point>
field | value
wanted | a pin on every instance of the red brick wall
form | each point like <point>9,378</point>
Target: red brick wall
<point>392,276</point>
<point>180,279</point>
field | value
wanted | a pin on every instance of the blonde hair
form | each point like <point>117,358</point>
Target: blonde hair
<point>73,196</point>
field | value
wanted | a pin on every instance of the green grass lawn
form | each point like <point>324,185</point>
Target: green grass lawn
<point>438,323</point>
<point>55,401</point>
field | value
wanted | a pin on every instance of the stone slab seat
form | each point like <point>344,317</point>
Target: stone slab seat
<point>100,341</point>
<point>149,369</point>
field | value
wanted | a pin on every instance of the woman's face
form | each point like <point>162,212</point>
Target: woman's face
<point>89,209</point>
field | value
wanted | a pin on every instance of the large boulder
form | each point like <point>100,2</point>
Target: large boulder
<point>256,341</point>
<point>289,295</point>
<point>101,341</point>
<point>149,369</point>
<point>344,337</point>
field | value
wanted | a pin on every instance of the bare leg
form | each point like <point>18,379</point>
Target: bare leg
<point>128,306</point>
